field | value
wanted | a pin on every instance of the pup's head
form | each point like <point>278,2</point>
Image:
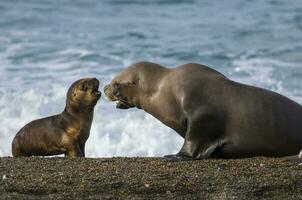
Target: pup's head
<point>84,93</point>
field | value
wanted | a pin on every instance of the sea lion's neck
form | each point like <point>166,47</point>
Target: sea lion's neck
<point>73,120</point>
<point>152,90</point>
<point>78,113</point>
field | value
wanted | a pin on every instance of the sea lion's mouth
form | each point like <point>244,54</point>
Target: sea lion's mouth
<point>120,103</point>
<point>95,91</point>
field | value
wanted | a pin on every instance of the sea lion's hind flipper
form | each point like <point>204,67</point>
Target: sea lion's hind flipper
<point>295,158</point>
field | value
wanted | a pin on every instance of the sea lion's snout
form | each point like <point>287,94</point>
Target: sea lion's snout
<point>95,87</point>
<point>113,93</point>
<point>95,83</point>
<point>108,91</point>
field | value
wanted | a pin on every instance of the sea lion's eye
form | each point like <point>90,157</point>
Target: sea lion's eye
<point>84,87</point>
<point>116,85</point>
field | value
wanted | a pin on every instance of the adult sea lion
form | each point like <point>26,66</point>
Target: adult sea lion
<point>216,116</point>
<point>65,133</point>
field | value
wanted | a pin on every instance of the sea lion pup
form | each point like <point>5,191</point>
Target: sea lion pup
<point>216,116</point>
<point>65,133</point>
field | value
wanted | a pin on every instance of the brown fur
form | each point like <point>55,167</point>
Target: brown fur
<point>65,133</point>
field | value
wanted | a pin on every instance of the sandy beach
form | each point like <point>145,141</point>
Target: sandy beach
<point>149,178</point>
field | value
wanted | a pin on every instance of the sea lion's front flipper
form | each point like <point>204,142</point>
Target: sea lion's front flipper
<point>195,154</point>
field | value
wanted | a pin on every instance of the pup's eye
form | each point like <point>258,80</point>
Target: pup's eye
<point>84,87</point>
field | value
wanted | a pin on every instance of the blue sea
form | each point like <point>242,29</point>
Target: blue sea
<point>46,45</point>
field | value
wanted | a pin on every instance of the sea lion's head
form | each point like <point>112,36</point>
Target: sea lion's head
<point>134,85</point>
<point>124,89</point>
<point>84,93</point>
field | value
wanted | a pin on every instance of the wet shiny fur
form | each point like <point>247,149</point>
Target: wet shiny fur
<point>216,116</point>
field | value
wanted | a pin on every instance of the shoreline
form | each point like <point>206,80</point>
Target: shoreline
<point>149,178</point>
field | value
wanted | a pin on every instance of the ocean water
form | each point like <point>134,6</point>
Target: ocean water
<point>46,45</point>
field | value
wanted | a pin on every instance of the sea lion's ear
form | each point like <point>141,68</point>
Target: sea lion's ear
<point>133,83</point>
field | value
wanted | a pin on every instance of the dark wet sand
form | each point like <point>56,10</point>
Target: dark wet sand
<point>149,178</point>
